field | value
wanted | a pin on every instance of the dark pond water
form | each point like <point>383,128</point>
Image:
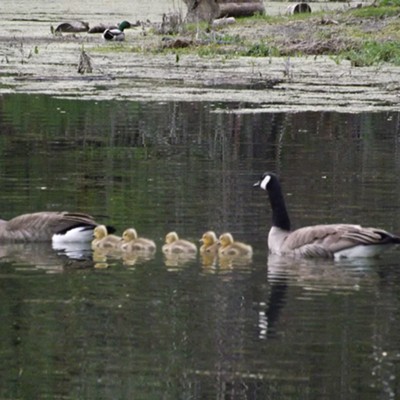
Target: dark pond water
<point>154,329</point>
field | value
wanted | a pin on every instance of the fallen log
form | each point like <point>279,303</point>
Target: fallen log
<point>240,9</point>
<point>239,1</point>
<point>201,10</point>
<point>208,10</point>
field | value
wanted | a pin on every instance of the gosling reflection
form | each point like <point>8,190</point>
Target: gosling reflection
<point>136,257</point>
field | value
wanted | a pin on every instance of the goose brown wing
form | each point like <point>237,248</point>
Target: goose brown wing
<point>371,236</point>
<point>41,226</point>
<point>318,240</point>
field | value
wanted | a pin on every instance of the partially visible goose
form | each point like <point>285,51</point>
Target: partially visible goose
<point>174,245</point>
<point>328,241</point>
<point>73,26</point>
<point>48,226</point>
<point>104,240</point>
<point>101,27</point>
<point>131,242</point>
<point>229,247</point>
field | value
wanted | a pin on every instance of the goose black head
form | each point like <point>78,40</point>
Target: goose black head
<point>270,182</point>
<point>267,181</point>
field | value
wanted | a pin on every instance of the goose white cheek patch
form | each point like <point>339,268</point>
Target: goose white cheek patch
<point>264,182</point>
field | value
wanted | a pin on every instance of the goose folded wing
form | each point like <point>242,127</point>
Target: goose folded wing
<point>41,226</point>
<point>371,236</point>
<point>322,240</point>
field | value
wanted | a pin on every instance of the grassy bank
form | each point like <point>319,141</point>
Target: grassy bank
<point>366,36</point>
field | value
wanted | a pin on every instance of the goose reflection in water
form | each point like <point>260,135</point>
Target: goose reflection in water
<point>46,256</point>
<point>315,277</point>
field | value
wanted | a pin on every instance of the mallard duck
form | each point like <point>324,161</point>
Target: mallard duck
<point>48,226</point>
<point>116,34</point>
<point>131,242</point>
<point>101,27</point>
<point>229,247</point>
<point>328,241</point>
<point>104,240</point>
<point>174,245</point>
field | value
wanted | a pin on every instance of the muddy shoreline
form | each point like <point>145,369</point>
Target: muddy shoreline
<point>42,63</point>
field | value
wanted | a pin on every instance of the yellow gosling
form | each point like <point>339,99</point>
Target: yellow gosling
<point>174,245</point>
<point>209,242</point>
<point>102,240</point>
<point>131,242</point>
<point>228,247</point>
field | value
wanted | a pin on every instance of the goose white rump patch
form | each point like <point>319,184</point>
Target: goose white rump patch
<point>74,235</point>
<point>361,251</point>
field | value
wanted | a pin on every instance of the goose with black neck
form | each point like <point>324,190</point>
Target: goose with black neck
<point>325,240</point>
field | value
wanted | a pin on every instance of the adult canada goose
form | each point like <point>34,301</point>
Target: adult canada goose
<point>101,27</point>
<point>103,240</point>
<point>210,244</point>
<point>72,27</point>
<point>116,34</point>
<point>231,248</point>
<point>174,245</point>
<point>131,242</point>
<point>48,226</point>
<point>329,241</point>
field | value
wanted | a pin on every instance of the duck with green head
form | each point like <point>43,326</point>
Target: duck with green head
<point>116,34</point>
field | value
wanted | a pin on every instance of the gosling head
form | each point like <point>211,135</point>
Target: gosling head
<point>100,232</point>
<point>209,238</point>
<point>129,235</point>
<point>225,239</point>
<point>171,237</point>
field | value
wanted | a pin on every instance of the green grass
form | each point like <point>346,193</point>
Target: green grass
<point>375,12</point>
<point>365,36</point>
<point>373,52</point>
<point>261,49</point>
<point>395,3</point>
